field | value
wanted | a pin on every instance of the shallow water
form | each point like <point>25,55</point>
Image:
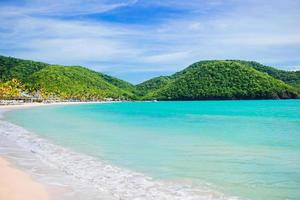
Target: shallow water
<point>248,149</point>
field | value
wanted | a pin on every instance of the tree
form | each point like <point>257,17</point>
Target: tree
<point>11,89</point>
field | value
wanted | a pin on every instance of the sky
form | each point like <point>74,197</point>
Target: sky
<point>139,39</point>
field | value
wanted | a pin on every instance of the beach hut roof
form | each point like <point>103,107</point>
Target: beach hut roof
<point>24,94</point>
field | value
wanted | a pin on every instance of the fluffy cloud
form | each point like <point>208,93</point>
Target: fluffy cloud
<point>75,32</point>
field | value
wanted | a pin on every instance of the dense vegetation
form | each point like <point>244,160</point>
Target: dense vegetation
<point>289,77</point>
<point>10,89</point>
<point>75,82</point>
<point>153,84</point>
<point>218,80</point>
<point>228,79</point>
<point>19,69</point>
<point>119,83</point>
<point>64,82</point>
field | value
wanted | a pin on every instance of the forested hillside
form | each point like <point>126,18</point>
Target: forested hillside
<point>64,82</point>
<point>18,68</point>
<point>218,80</point>
<point>75,82</point>
<point>215,79</point>
<point>289,77</point>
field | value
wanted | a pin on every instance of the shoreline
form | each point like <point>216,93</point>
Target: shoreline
<point>17,183</point>
<point>58,184</point>
<point>76,174</point>
<point>29,105</point>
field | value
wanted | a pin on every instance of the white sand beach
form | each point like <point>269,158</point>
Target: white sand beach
<point>27,105</point>
<point>17,185</point>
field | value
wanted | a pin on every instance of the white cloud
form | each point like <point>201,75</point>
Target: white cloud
<point>67,7</point>
<point>252,30</point>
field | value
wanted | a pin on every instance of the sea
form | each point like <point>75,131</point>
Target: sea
<point>247,150</point>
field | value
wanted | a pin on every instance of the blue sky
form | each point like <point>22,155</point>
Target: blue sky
<point>138,39</point>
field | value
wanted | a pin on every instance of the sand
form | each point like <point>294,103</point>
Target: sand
<point>25,105</point>
<point>14,183</point>
<point>17,185</point>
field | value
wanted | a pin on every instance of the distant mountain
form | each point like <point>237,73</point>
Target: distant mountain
<point>226,79</point>
<point>153,84</point>
<point>64,81</point>
<point>128,87</point>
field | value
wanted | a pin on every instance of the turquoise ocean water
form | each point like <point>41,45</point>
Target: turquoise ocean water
<point>248,149</point>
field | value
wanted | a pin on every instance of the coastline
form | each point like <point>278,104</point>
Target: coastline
<point>16,183</point>
<point>29,105</point>
<point>21,182</point>
<point>75,174</point>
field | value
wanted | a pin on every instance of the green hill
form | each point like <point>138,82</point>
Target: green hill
<point>119,83</point>
<point>289,77</point>
<point>18,68</point>
<point>64,81</point>
<point>75,82</point>
<point>228,79</point>
<point>218,80</point>
<point>153,84</point>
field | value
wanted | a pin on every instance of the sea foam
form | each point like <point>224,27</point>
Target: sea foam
<point>93,178</point>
